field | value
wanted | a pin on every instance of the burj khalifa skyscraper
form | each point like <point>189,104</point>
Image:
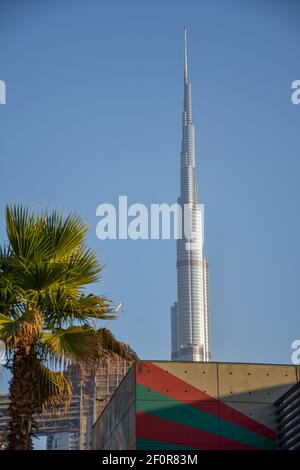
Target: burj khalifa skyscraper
<point>190,320</point>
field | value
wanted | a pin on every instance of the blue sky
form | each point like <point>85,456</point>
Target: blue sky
<point>94,100</point>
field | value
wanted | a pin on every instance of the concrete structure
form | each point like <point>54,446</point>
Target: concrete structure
<point>91,392</point>
<point>49,423</point>
<point>197,405</point>
<point>63,441</point>
<point>190,325</point>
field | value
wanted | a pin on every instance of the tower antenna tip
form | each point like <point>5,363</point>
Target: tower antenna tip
<point>185,56</point>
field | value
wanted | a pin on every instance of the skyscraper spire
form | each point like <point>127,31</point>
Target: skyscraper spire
<point>190,314</point>
<point>185,57</point>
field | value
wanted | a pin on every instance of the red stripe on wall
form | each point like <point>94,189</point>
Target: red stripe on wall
<point>159,429</point>
<point>155,378</point>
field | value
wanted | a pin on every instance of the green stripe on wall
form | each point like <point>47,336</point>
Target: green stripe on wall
<point>147,444</point>
<point>167,408</point>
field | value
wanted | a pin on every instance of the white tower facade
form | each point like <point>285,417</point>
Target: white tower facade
<point>190,322</point>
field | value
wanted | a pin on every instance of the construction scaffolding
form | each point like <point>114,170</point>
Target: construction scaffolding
<point>91,392</point>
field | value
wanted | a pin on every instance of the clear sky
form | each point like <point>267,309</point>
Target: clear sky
<point>94,100</point>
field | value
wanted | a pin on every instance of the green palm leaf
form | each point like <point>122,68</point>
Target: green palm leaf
<point>25,233</point>
<point>65,234</point>
<point>74,344</point>
<point>60,308</point>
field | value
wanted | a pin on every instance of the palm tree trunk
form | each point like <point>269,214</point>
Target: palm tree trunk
<point>23,400</point>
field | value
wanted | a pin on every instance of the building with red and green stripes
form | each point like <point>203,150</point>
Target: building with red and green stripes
<point>195,405</point>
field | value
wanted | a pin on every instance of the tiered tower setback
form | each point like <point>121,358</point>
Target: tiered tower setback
<point>190,325</point>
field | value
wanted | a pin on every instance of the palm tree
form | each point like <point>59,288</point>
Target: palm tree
<point>46,319</point>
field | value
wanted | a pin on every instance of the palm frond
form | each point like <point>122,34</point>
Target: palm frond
<point>15,331</point>
<point>109,345</point>
<point>8,328</point>
<point>8,290</point>
<point>59,308</point>
<point>8,294</point>
<point>6,257</point>
<point>25,233</point>
<point>81,268</point>
<point>66,235</point>
<point>54,388</point>
<point>40,276</point>
<point>70,274</point>
<point>73,344</point>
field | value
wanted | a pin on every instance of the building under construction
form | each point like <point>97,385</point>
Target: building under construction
<point>91,392</point>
